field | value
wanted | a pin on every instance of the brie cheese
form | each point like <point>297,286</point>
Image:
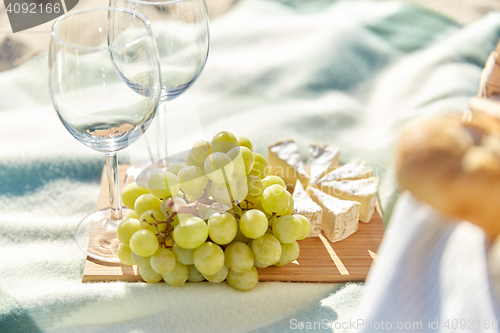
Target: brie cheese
<point>304,205</point>
<point>340,217</point>
<point>284,161</point>
<point>363,191</point>
<point>322,159</point>
<point>355,169</point>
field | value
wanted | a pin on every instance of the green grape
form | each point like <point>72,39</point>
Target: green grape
<point>251,203</point>
<point>140,261</point>
<point>260,166</point>
<point>200,151</point>
<point>240,237</point>
<point>146,202</point>
<point>244,142</point>
<point>266,249</point>
<point>253,223</point>
<point>205,213</point>
<point>178,276</point>
<point>243,281</point>
<point>239,257</point>
<point>237,162</point>
<point>193,179</point>
<point>255,186</point>
<point>175,168</point>
<point>306,225</point>
<point>149,275</point>
<point>208,258</point>
<point>224,192</point>
<point>235,210</point>
<point>144,243</point>
<point>258,264</point>
<point>131,214</point>
<point>126,229</point>
<point>274,199</point>
<point>152,216</point>
<point>291,205</point>
<point>164,184</point>
<point>222,228</point>
<point>289,253</point>
<point>271,180</point>
<point>190,161</point>
<point>195,196</point>
<point>190,233</point>
<point>174,202</point>
<point>223,141</point>
<point>243,160</point>
<point>124,253</point>
<point>194,274</point>
<point>130,193</point>
<point>216,165</point>
<point>184,256</point>
<point>184,216</point>
<point>259,207</point>
<point>163,261</point>
<point>287,228</point>
<point>219,276</point>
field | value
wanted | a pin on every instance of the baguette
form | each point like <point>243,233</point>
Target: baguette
<point>453,163</point>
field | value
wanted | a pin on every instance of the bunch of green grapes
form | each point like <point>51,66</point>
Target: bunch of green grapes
<point>216,218</point>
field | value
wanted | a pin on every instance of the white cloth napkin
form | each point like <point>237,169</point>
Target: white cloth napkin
<point>432,275</point>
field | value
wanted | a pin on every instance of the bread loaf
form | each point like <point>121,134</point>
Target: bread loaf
<point>453,163</point>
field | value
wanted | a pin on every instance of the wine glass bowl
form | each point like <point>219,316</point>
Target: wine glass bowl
<point>104,80</point>
<point>182,39</point>
<point>181,29</point>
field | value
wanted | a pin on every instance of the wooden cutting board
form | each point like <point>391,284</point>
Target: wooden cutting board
<point>319,260</point>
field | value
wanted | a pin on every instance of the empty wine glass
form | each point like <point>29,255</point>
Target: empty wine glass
<point>182,37</point>
<point>105,85</point>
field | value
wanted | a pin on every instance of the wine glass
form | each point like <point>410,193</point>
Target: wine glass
<point>105,85</point>
<point>182,38</point>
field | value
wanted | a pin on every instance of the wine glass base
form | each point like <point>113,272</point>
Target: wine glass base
<point>96,237</point>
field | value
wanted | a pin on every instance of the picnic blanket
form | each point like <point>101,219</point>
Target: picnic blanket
<point>348,73</point>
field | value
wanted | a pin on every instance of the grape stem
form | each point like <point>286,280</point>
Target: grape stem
<point>163,236</point>
<point>247,204</point>
<point>191,208</point>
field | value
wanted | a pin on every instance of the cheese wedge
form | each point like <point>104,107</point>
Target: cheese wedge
<point>284,161</point>
<point>354,169</point>
<point>363,191</point>
<point>340,217</point>
<point>304,205</point>
<point>322,159</point>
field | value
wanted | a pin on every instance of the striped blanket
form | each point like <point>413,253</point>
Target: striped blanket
<point>348,73</point>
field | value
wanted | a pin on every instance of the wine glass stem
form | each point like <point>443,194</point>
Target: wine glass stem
<point>163,107</point>
<point>115,199</point>
<point>161,130</point>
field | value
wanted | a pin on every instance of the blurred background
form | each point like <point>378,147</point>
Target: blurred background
<point>16,49</point>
